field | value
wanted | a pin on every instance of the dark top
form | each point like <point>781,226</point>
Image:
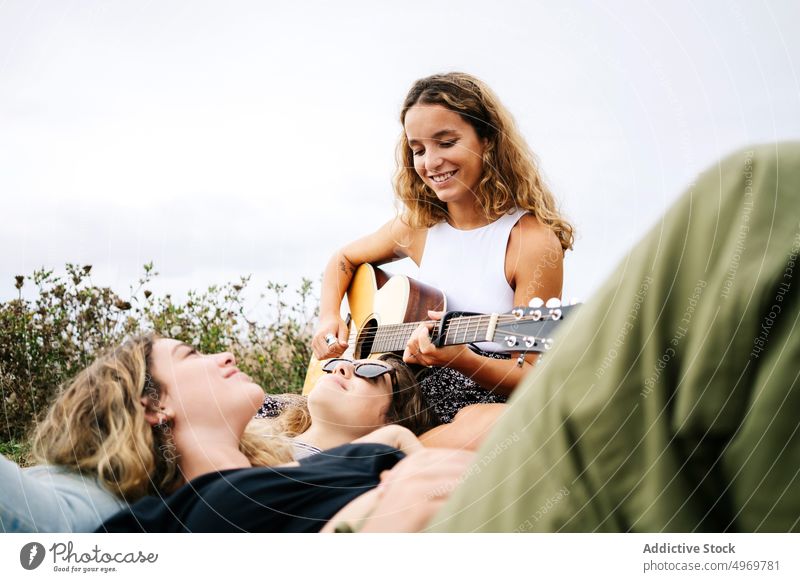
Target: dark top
<point>447,391</point>
<point>263,499</point>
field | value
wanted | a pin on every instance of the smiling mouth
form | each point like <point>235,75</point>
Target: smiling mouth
<point>442,178</point>
<point>237,371</point>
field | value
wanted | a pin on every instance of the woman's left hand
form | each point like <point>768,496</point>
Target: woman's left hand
<point>420,349</point>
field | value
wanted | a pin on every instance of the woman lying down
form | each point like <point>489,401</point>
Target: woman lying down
<point>155,421</point>
<point>202,406</point>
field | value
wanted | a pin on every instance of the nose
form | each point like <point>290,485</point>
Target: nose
<point>225,359</point>
<point>344,368</point>
<point>433,160</point>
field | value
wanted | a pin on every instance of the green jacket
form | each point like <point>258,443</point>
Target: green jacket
<point>671,400</point>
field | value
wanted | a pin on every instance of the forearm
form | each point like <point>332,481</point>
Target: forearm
<point>395,436</point>
<point>335,281</point>
<point>501,376</point>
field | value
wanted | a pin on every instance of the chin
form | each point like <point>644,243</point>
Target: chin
<point>448,195</point>
<point>256,394</point>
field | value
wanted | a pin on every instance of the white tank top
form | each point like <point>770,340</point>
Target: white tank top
<point>469,266</point>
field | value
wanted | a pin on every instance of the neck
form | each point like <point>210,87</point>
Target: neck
<point>466,215</point>
<point>204,451</point>
<point>325,436</point>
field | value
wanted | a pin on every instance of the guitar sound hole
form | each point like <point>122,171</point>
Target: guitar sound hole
<point>366,339</point>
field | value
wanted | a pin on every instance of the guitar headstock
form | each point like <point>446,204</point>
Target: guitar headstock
<point>530,329</point>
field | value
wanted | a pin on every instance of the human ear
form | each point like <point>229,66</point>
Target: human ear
<point>154,415</point>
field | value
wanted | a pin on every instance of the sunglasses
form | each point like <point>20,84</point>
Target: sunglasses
<point>366,370</point>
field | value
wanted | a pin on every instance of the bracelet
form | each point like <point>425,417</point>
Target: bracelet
<point>347,527</point>
<point>344,527</point>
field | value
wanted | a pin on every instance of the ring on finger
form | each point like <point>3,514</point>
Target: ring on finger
<point>330,339</point>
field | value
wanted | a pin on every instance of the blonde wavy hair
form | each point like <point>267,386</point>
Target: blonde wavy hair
<point>511,177</point>
<point>97,425</point>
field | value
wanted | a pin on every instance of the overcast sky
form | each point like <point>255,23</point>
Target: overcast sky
<point>227,138</point>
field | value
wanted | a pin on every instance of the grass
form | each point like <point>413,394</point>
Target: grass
<point>17,451</point>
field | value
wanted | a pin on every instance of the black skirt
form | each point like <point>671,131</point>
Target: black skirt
<point>447,391</point>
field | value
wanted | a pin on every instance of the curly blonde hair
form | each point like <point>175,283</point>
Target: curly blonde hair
<point>511,177</point>
<point>97,425</point>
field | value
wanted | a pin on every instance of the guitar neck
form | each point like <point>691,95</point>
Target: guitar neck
<point>458,330</point>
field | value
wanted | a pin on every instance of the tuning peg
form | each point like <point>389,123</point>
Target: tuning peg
<point>510,340</point>
<point>548,343</point>
<point>535,314</point>
<point>518,312</point>
<point>529,341</point>
<point>536,302</point>
<point>553,302</point>
<point>555,314</point>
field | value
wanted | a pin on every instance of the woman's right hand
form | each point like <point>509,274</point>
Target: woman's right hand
<point>331,325</point>
<point>411,493</point>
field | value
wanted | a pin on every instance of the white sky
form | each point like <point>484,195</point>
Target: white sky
<point>228,138</point>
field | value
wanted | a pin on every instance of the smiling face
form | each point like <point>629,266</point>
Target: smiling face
<point>355,404</point>
<point>204,391</point>
<point>447,152</point>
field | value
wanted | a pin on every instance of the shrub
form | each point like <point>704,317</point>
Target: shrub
<point>47,340</point>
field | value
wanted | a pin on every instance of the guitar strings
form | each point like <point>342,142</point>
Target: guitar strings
<point>386,337</point>
<point>459,325</point>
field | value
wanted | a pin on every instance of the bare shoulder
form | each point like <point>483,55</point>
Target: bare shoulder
<point>534,253</point>
<point>534,237</point>
<point>409,240</point>
<point>401,231</point>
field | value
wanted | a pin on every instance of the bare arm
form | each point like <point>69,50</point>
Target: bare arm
<point>535,268</point>
<point>409,495</point>
<point>395,436</point>
<point>394,240</point>
<point>469,428</point>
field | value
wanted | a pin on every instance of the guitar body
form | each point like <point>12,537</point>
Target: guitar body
<point>376,299</point>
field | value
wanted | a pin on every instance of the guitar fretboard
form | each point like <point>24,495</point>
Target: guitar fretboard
<point>459,330</point>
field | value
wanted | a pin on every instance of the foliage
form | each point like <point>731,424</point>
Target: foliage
<point>17,451</point>
<point>47,340</point>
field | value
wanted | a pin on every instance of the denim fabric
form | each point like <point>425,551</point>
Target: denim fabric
<point>49,499</point>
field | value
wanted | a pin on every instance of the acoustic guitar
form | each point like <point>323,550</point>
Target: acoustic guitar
<point>385,310</point>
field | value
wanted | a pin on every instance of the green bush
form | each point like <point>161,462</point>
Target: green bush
<point>17,451</point>
<point>47,340</point>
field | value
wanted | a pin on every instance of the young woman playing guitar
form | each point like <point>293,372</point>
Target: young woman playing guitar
<point>478,220</point>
